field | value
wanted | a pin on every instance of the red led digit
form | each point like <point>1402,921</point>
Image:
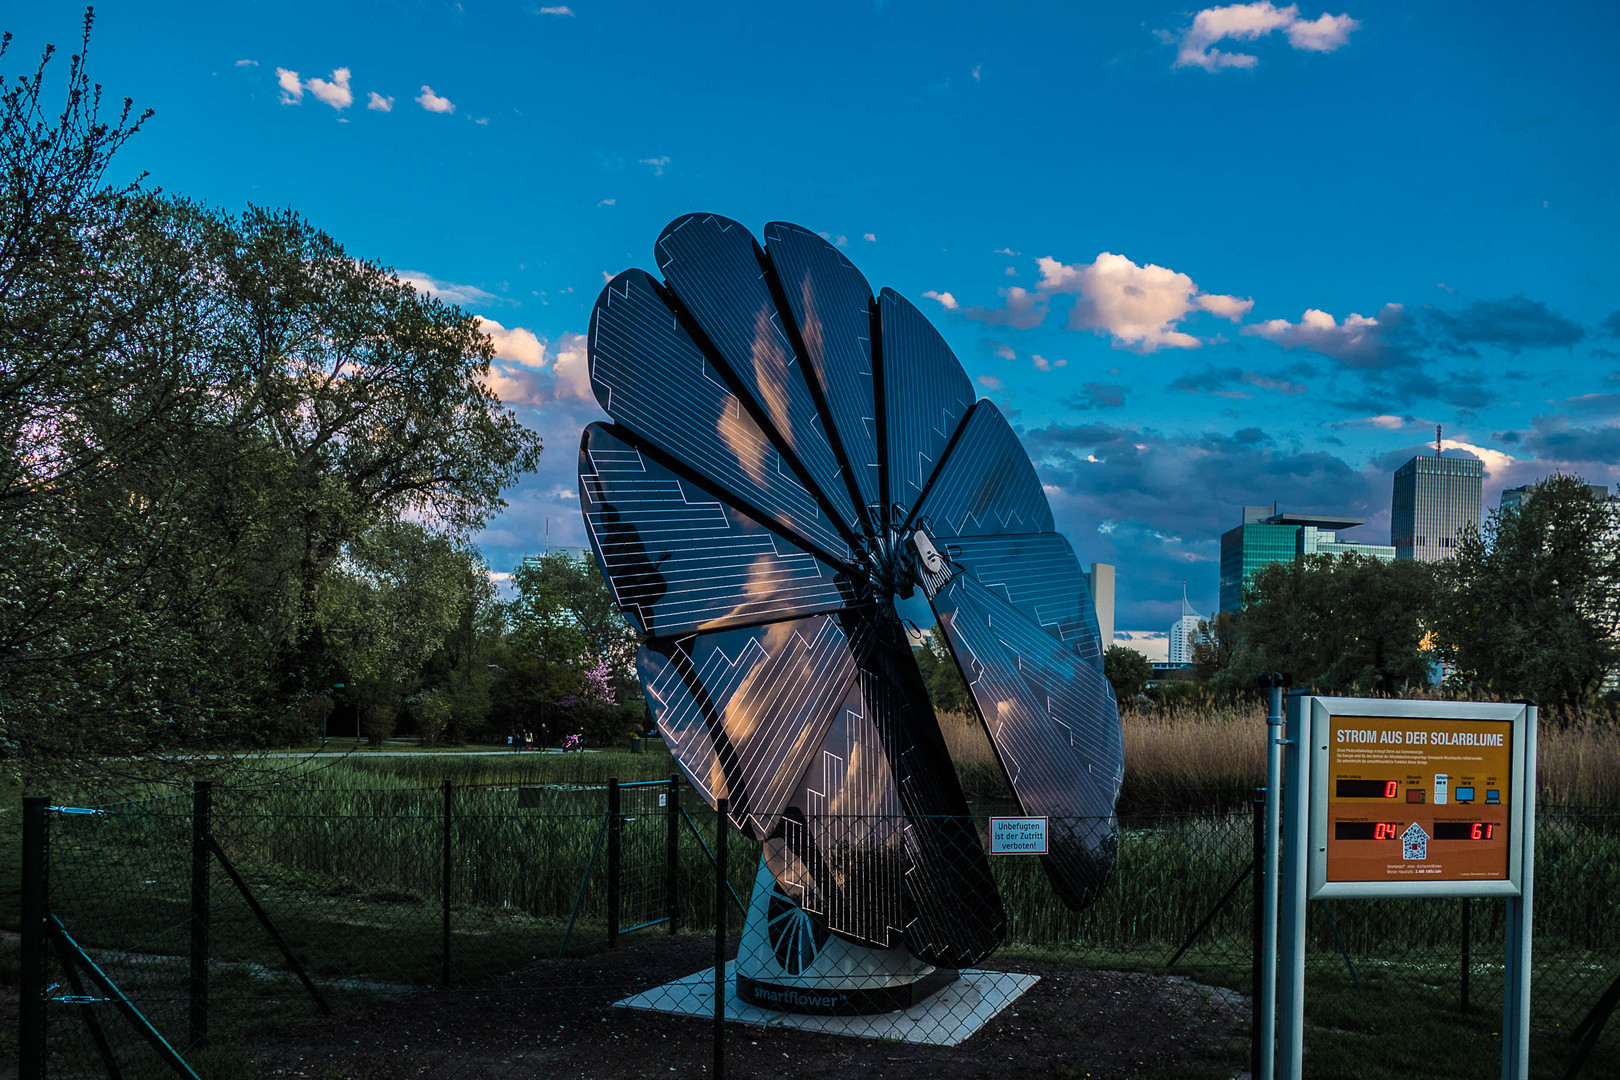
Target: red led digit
<point>1490,828</point>
<point>1390,788</point>
<point>1476,831</point>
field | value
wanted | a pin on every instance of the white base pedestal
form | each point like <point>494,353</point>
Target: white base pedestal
<point>944,1019</point>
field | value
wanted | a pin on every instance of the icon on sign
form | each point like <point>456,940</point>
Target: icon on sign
<point>1492,795</point>
<point>1414,794</point>
<point>1441,782</point>
<point>1414,842</point>
<point>1465,794</point>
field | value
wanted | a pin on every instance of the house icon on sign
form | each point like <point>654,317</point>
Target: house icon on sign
<point>1414,843</point>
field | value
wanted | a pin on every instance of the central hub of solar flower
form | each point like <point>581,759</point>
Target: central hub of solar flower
<point>766,404</point>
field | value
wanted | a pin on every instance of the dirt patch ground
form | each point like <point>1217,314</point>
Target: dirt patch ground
<point>555,1019</point>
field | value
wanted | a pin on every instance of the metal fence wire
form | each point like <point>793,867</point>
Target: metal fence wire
<point>463,931</point>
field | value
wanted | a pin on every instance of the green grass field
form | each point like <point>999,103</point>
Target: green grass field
<point>346,856</point>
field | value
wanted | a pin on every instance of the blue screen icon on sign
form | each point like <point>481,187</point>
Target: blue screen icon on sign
<point>1465,794</point>
<point>1492,795</point>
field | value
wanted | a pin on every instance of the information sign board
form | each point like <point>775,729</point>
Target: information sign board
<point>1412,799</point>
<point>1018,836</point>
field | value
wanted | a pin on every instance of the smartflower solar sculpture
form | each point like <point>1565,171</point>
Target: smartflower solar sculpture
<point>789,456</point>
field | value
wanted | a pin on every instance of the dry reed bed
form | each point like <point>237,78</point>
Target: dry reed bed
<point>1204,755</point>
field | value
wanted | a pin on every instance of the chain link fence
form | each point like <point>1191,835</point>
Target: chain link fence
<point>464,931</point>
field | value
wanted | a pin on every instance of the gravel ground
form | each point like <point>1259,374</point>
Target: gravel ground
<point>555,1019</point>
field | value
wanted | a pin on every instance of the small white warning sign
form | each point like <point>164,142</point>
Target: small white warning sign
<point>1414,842</point>
<point>1018,836</point>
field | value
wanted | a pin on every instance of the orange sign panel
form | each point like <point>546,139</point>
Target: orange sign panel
<point>1412,799</point>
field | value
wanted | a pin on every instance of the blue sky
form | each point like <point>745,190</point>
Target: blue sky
<point>1200,257</point>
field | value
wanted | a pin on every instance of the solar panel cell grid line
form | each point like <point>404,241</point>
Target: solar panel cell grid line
<point>650,375</point>
<point>678,559</point>
<point>830,304</point>
<point>986,484</point>
<point>713,266</point>
<point>925,395</point>
<point>787,678</point>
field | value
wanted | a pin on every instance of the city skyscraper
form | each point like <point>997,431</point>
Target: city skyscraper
<point>1101,580</point>
<point>1266,537</point>
<point>1183,631</point>
<point>1435,500</point>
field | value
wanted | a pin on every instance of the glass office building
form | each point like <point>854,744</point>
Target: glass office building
<point>1266,537</point>
<point>1436,500</point>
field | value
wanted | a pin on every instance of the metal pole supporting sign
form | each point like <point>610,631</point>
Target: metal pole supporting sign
<point>1385,799</point>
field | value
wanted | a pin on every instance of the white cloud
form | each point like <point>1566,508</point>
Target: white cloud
<point>1043,364</point>
<point>1357,342</point>
<point>482,121</point>
<point>433,102</point>
<point>568,11</point>
<point>335,93</point>
<point>1494,461</point>
<point>1327,33</point>
<point>573,367</point>
<point>516,344</point>
<point>1140,306</point>
<point>1006,251</point>
<point>657,164</point>
<point>990,382</point>
<point>378,103</point>
<point>448,291</point>
<point>870,238</point>
<point>1153,644</point>
<point>292,91</point>
<point>1250,22</point>
<point>607,202</point>
<point>1003,350</point>
<point>842,241</point>
<point>975,72</point>
<point>247,63</point>
<point>946,300</point>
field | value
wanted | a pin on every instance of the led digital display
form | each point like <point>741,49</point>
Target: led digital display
<point>1367,789</point>
<point>1416,769</point>
<point>1366,830</point>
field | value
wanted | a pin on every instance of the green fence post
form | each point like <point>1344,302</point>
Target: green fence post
<point>672,850</point>
<point>444,889</point>
<point>35,907</point>
<point>721,884</point>
<point>202,827</point>
<point>614,837</point>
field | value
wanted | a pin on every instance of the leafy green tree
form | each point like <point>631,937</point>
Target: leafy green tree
<point>1531,607</point>
<point>1127,671</point>
<point>201,416</point>
<point>1212,649</point>
<point>940,675</point>
<point>1340,624</point>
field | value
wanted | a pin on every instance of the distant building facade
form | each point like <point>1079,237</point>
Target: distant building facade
<point>1183,632</point>
<point>1266,537</point>
<point>1435,501</point>
<point>1101,580</point>
<point>1514,498</point>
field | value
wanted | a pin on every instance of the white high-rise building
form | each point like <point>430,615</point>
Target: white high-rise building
<point>1183,631</point>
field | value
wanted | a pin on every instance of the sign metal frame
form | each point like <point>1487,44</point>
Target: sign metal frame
<point>1323,709</point>
<point>1302,859</point>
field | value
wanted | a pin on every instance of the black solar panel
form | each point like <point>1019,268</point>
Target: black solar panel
<point>789,454</point>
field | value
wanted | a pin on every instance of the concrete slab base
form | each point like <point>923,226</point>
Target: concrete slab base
<point>944,1019</point>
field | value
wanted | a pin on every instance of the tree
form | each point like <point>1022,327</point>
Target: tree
<point>940,675</point>
<point>199,415</point>
<point>1341,624</point>
<point>1531,607</point>
<point>1127,671</point>
<point>1213,647</point>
